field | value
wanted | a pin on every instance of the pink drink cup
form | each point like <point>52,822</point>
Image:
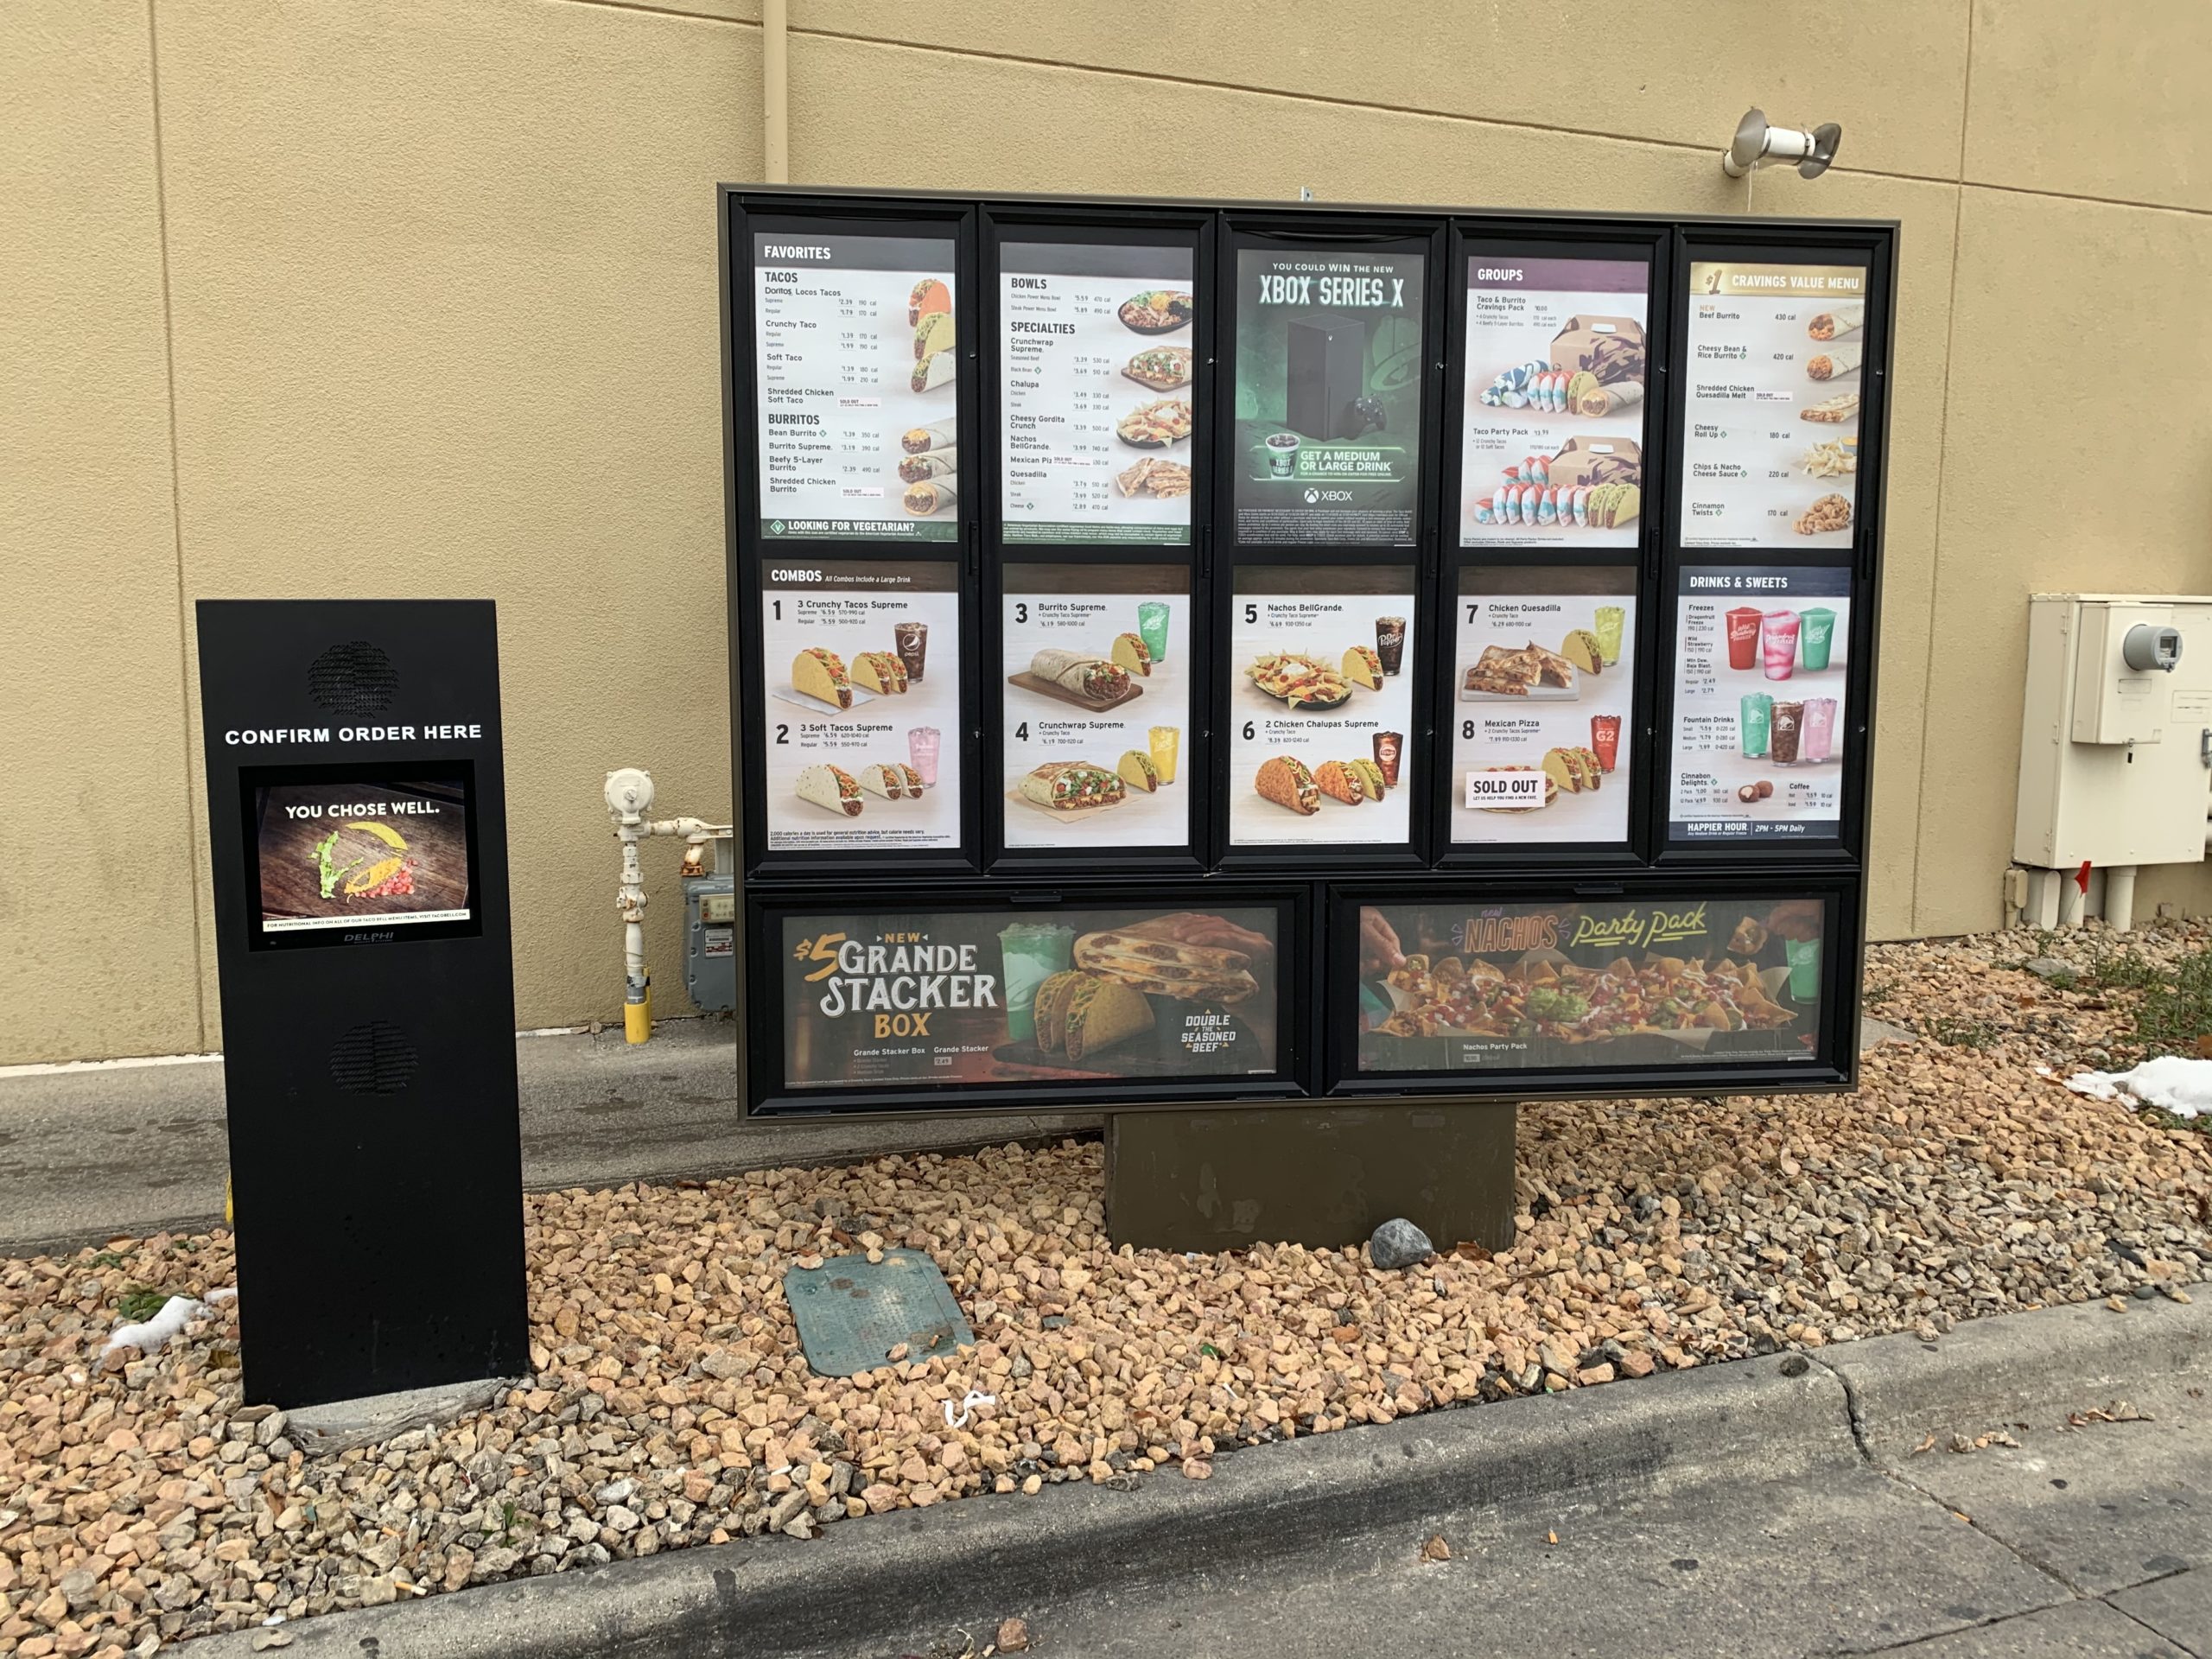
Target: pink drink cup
<point>1778,642</point>
<point>1820,727</point>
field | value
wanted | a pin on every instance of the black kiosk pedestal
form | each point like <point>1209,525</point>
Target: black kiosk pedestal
<point>357,834</point>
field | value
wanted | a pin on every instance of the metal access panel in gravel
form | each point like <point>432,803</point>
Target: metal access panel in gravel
<point>852,1312</point>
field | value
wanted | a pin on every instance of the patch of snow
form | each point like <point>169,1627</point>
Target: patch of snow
<point>2171,1083</point>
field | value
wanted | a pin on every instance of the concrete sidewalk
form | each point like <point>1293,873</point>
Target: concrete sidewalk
<point>1767,1509</point>
<point>91,1152</point>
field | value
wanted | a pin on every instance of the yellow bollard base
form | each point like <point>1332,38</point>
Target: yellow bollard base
<point>638,1018</point>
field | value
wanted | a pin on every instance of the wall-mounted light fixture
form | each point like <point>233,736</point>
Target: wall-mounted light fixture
<point>1758,144</point>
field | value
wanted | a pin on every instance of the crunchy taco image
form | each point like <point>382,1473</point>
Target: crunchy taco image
<point>821,674</point>
<point>1101,1012</point>
<point>1286,781</point>
<point>930,296</point>
<point>1052,1007</point>
<point>832,788</point>
<point>1138,771</point>
<point>879,670</point>
<point>1131,652</point>
<point>1340,782</point>
<point>1363,665</point>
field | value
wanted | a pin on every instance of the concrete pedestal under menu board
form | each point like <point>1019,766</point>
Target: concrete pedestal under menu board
<point>357,837</point>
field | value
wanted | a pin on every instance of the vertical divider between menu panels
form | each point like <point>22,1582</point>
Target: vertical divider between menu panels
<point>1771,580</point>
<point>1097,376</point>
<point>1550,648</point>
<point>852,323</point>
<point>1327,430</point>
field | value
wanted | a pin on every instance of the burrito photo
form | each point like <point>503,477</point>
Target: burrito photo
<point>1847,319</point>
<point>923,499</point>
<point>1087,677</point>
<point>1833,363</point>
<point>1072,786</point>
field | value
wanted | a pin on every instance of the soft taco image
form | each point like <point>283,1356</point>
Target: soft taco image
<point>832,788</point>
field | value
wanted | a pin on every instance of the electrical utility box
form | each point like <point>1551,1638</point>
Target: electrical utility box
<point>710,936</point>
<point>2116,741</point>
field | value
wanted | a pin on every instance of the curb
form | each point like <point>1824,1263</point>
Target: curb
<point>865,1583</point>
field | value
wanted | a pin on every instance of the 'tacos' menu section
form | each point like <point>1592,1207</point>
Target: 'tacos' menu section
<point>861,721</point>
<point>1761,712</point>
<point>1553,402</point>
<point>1329,371</point>
<point>1097,699</point>
<point>1538,987</point>
<point>1546,688</point>
<point>1097,406</point>
<point>1771,446</point>
<point>856,386</point>
<point>1321,704</point>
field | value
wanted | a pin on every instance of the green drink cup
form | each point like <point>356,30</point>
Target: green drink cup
<point>1610,619</point>
<point>1152,627</point>
<point>1031,953</point>
<point>1816,635</point>
<point>1804,969</point>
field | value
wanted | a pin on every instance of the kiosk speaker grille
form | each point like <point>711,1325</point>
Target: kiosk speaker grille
<point>354,679</point>
<point>375,1059</point>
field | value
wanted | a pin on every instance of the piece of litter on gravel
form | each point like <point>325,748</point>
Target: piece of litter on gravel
<point>155,1333</point>
<point>2170,1083</point>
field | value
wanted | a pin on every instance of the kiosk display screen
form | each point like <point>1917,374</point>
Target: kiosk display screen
<point>340,855</point>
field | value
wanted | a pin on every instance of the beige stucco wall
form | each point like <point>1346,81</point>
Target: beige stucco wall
<point>419,298</point>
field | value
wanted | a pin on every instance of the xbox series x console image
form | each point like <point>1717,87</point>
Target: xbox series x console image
<point>1325,368</point>
<point>357,840</point>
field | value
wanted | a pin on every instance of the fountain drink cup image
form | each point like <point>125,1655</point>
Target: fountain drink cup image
<point>1282,454</point>
<point>1605,740</point>
<point>1389,746</point>
<point>921,753</point>
<point>1778,642</point>
<point>1743,636</point>
<point>1819,729</point>
<point>1390,642</point>
<point>1610,619</point>
<point>1031,952</point>
<point>1166,741</point>
<point>1756,718</point>
<point>912,639</point>
<point>1804,968</point>
<point>1818,636</point>
<point>1151,628</point>
<point>1788,725</point>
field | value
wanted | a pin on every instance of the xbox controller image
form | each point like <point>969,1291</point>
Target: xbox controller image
<point>1363,413</point>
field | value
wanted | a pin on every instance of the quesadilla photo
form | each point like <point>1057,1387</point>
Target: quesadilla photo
<point>1192,973</point>
<point>831,788</point>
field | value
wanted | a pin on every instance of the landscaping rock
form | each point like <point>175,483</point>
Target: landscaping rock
<point>1398,1243</point>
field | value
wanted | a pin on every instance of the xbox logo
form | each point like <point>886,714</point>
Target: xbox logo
<point>775,527</point>
<point>1311,496</point>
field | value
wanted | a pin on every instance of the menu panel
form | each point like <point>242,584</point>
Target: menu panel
<point>1474,987</point>
<point>1097,702</point>
<point>1761,703</point>
<point>1098,403</point>
<point>1553,402</point>
<point>1544,677</point>
<point>861,720</point>
<point>1329,373</point>
<point>1321,706</point>
<point>1001,993</point>
<point>1770,436</point>
<point>856,386</point>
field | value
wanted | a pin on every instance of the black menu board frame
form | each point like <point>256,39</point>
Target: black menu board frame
<point>1329,876</point>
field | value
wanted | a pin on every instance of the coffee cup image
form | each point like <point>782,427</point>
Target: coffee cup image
<point>1282,454</point>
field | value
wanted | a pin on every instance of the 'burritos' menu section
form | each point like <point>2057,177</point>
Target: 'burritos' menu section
<point>1470,986</point>
<point>860,724</point>
<point>1320,705</point>
<point>1761,713</point>
<point>1097,699</point>
<point>1029,995</point>
<point>1771,438</point>
<point>1544,672</point>
<point>856,386</point>
<point>1329,373</point>
<point>1553,402</point>
<point>1097,413</point>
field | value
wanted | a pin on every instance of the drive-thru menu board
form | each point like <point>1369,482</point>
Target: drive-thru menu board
<point>1329,375</point>
<point>857,417</point>
<point>1761,694</point>
<point>1097,405</point>
<point>1321,706</point>
<point>1096,661</point>
<point>1189,654</point>
<point>1545,668</point>
<point>1552,453</point>
<point>861,720</point>
<point>1771,423</point>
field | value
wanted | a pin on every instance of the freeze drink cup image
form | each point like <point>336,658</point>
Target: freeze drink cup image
<point>1166,741</point>
<point>1390,642</point>
<point>1031,953</point>
<point>1819,729</point>
<point>1756,718</point>
<point>1610,619</point>
<point>921,752</point>
<point>1804,968</point>
<point>1151,628</point>
<point>1787,727</point>
<point>1282,454</point>
<point>1818,636</point>
<point>1778,644</point>
<point>1743,637</point>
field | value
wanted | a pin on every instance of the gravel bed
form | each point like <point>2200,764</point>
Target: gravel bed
<point>141,1502</point>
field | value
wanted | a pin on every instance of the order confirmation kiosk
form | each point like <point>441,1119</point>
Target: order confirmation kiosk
<point>358,839</point>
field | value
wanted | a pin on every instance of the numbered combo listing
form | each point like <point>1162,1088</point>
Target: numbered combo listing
<point>1760,712</point>
<point>1329,371</point>
<point>1097,408</point>
<point>1096,702</point>
<point>1320,663</point>
<point>855,380</point>
<point>861,720</point>
<point>1771,450</point>
<point>1544,680</point>
<point>1553,402</point>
